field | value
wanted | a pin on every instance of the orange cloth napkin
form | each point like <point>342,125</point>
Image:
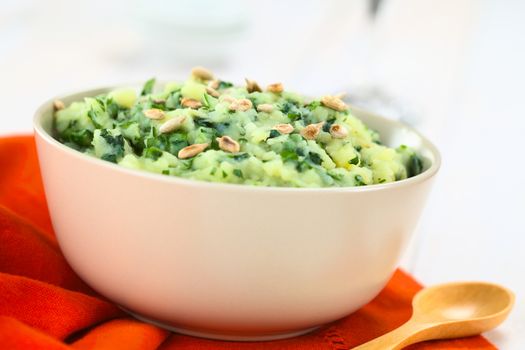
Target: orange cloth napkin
<point>45,305</point>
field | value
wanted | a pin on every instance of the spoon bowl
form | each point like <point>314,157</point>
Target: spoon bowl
<point>450,310</point>
<point>465,302</point>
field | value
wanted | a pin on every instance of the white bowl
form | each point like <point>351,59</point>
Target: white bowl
<point>229,261</point>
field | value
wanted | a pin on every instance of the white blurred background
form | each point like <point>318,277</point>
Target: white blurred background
<point>452,68</point>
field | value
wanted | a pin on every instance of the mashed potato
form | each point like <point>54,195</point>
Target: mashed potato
<point>208,129</point>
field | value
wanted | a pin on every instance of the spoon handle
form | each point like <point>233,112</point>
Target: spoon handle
<point>409,333</point>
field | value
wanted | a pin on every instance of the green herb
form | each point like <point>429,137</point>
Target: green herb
<point>171,143</point>
<point>300,152</point>
<point>291,110</point>
<point>187,163</point>
<point>82,138</point>
<point>254,104</point>
<point>224,174</point>
<point>222,128</point>
<point>238,173</point>
<point>359,180</point>
<point>415,166</point>
<point>303,166</point>
<point>206,102</point>
<point>315,158</point>
<point>337,177</point>
<point>166,172</point>
<point>101,100</point>
<point>375,136</point>
<point>213,171</point>
<point>148,87</point>
<point>159,104</point>
<point>295,138</point>
<point>109,157</point>
<point>354,161</point>
<point>205,135</point>
<point>127,124</point>
<point>79,139</point>
<point>177,141</point>
<point>313,105</point>
<point>240,156</point>
<point>328,124</point>
<point>173,101</point>
<point>116,142</point>
<point>92,115</point>
<point>288,154</point>
<point>150,142</point>
<point>224,84</point>
<point>112,108</point>
<point>274,133</point>
<point>153,153</point>
<point>107,105</point>
<point>204,122</point>
<point>382,181</point>
<point>153,131</point>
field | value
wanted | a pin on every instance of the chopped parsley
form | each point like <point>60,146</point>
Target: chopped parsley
<point>240,156</point>
<point>315,158</point>
<point>116,144</point>
<point>173,101</point>
<point>206,103</point>
<point>274,133</point>
<point>313,105</point>
<point>148,87</point>
<point>238,173</point>
<point>415,165</point>
<point>359,180</point>
<point>224,84</point>
<point>288,154</point>
<point>112,108</point>
<point>291,110</point>
<point>153,153</point>
<point>92,115</point>
<point>354,161</point>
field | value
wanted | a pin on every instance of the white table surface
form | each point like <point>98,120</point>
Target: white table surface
<point>460,67</point>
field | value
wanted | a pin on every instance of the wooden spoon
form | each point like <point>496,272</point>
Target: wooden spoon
<point>450,310</point>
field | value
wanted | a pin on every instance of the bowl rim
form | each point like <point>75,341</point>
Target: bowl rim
<point>49,139</point>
